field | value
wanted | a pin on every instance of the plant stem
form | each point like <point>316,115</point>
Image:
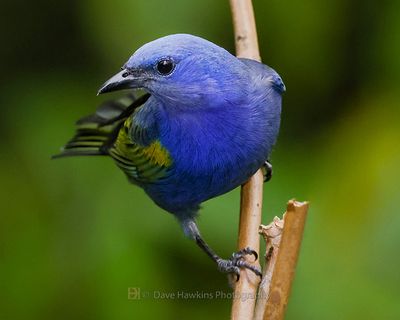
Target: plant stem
<point>245,290</point>
<point>286,260</point>
<point>272,235</point>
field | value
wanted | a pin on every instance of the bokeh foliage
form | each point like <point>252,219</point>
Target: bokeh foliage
<point>74,235</point>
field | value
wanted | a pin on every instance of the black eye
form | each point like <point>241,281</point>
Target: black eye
<point>165,66</point>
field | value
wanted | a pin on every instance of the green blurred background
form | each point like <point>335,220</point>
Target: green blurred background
<point>74,235</point>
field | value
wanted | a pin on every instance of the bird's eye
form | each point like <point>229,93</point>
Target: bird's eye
<point>165,66</point>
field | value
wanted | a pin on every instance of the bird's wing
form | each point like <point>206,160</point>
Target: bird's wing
<point>144,159</point>
<point>96,133</point>
<point>110,131</point>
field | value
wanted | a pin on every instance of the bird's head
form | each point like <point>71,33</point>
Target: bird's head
<point>181,67</point>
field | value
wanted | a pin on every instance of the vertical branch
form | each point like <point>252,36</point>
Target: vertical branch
<point>251,193</point>
<point>244,26</point>
<point>272,235</point>
<point>286,260</point>
<point>282,246</point>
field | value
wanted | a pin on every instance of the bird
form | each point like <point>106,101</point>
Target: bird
<point>206,122</point>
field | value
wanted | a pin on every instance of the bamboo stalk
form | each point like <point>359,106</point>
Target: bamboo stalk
<point>245,290</point>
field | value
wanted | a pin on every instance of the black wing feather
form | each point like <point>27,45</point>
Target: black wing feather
<point>97,132</point>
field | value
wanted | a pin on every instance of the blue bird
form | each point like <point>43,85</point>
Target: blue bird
<point>207,123</point>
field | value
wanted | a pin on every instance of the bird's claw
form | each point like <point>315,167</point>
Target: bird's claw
<point>267,171</point>
<point>236,262</point>
<point>246,251</point>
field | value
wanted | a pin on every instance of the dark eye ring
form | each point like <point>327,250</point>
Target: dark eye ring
<point>165,66</point>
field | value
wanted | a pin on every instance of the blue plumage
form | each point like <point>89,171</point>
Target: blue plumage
<point>209,124</point>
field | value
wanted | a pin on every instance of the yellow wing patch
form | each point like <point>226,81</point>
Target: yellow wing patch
<point>140,163</point>
<point>156,153</point>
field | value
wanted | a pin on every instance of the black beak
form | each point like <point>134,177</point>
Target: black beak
<point>125,79</point>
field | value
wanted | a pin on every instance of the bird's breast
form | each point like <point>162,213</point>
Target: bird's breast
<point>211,154</point>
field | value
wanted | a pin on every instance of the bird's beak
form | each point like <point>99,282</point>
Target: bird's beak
<point>125,79</point>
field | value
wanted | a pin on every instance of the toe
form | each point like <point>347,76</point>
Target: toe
<point>244,264</point>
<point>246,251</point>
<point>237,273</point>
<point>254,253</point>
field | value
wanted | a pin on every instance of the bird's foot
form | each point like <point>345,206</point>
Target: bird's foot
<point>236,262</point>
<point>267,171</point>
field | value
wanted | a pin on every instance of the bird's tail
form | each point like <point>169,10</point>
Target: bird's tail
<point>96,133</point>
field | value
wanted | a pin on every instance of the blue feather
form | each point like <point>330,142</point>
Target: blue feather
<point>209,123</point>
